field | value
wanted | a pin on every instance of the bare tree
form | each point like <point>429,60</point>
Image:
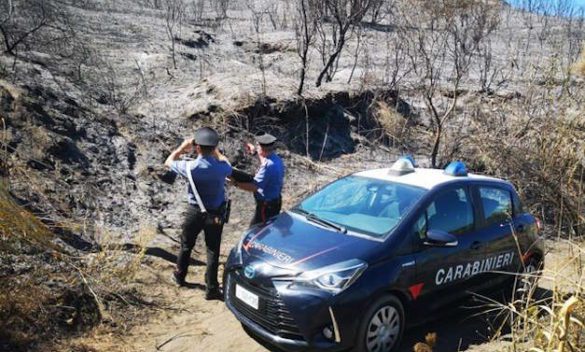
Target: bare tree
<point>22,21</point>
<point>343,16</point>
<point>155,4</point>
<point>396,67</point>
<point>221,7</point>
<point>174,16</point>
<point>258,15</point>
<point>197,10</point>
<point>305,29</point>
<point>442,39</point>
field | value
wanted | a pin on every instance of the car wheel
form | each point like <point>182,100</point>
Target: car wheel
<point>382,327</point>
<point>528,279</point>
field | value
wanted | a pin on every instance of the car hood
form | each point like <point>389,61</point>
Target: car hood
<point>291,242</point>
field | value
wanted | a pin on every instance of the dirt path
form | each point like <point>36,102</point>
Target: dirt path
<point>186,322</point>
<point>192,324</point>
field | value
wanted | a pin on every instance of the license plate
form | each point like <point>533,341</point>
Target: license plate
<point>247,297</point>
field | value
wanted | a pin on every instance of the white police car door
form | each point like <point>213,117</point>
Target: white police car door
<point>447,272</point>
<point>496,228</point>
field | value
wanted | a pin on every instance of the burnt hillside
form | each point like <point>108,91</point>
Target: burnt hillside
<point>95,94</point>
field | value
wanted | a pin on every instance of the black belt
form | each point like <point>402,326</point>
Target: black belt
<point>211,211</point>
<point>269,202</point>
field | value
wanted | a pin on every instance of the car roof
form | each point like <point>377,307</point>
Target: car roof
<point>423,178</point>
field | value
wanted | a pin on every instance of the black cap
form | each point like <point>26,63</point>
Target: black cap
<point>265,139</point>
<point>207,137</point>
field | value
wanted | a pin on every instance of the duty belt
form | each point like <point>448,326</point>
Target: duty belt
<point>207,210</point>
<point>269,202</point>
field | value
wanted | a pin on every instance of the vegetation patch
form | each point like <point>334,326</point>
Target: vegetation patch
<point>47,293</point>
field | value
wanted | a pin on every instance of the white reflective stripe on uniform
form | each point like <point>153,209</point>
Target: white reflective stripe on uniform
<point>194,189</point>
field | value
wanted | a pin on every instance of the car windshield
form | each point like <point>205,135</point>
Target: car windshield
<point>369,206</point>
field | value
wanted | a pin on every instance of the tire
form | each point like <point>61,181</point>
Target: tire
<point>382,326</point>
<point>527,280</point>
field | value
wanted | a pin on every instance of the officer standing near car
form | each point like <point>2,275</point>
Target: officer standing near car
<point>268,181</point>
<point>207,202</point>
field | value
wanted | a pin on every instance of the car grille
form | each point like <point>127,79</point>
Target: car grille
<point>271,314</point>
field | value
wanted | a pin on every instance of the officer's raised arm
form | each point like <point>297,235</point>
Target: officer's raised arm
<point>219,156</point>
<point>207,204</point>
<point>185,147</point>
<point>267,183</point>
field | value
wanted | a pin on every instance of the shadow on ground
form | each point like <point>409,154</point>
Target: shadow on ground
<point>457,328</point>
<point>159,253</point>
<point>460,327</point>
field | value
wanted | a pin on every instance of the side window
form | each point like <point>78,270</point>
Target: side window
<point>420,227</point>
<point>497,204</point>
<point>518,207</point>
<point>451,212</point>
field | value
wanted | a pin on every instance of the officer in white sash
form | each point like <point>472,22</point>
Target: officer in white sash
<point>207,202</point>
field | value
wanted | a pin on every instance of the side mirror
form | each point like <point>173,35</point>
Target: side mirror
<point>438,238</point>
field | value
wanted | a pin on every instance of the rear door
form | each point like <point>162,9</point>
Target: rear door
<point>447,273</point>
<point>496,228</point>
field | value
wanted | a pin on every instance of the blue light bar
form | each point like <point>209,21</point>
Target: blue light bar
<point>456,168</point>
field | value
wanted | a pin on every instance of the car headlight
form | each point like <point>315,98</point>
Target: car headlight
<point>333,278</point>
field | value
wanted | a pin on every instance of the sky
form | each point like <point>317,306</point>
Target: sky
<point>524,3</point>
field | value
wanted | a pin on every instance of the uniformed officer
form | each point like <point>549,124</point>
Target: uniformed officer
<point>207,173</point>
<point>268,181</point>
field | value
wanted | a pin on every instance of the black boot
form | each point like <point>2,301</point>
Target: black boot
<point>178,279</point>
<point>213,294</point>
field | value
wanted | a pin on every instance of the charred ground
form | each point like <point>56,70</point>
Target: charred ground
<point>92,103</point>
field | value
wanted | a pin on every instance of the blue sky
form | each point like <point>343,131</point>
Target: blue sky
<point>576,3</point>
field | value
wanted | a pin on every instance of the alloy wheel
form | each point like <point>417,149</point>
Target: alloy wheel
<point>383,330</point>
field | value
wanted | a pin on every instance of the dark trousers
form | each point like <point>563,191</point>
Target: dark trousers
<point>195,221</point>
<point>265,210</point>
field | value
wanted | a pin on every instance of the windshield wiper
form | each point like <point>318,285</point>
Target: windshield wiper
<point>314,218</point>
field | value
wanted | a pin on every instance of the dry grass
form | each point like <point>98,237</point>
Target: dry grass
<point>390,120</point>
<point>393,124</point>
<point>18,224</point>
<point>428,345</point>
<point>579,66</point>
<point>26,306</point>
<point>47,294</point>
<point>541,154</point>
<point>114,264</point>
<point>553,320</point>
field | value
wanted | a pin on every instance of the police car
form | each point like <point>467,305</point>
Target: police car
<point>351,265</point>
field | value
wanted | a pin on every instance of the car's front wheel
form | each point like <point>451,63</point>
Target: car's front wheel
<point>382,327</point>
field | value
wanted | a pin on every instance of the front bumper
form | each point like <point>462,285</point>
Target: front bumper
<point>293,321</point>
<point>259,331</point>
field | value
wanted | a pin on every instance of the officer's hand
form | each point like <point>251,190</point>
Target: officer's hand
<point>250,148</point>
<point>219,156</point>
<point>187,145</point>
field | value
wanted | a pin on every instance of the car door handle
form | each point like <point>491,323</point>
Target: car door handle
<point>475,245</point>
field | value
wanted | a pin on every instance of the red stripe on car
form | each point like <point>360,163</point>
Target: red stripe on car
<point>415,290</point>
